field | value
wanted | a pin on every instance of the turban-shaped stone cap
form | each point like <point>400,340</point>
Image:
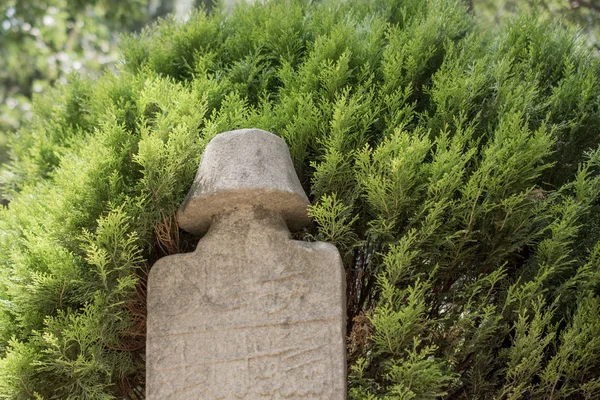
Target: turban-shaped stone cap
<point>244,167</point>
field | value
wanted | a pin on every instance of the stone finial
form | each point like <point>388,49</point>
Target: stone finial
<point>251,314</point>
<point>244,167</point>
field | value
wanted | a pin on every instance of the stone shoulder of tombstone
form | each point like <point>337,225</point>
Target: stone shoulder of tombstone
<point>251,313</point>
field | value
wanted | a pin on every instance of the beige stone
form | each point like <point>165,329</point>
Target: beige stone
<point>251,314</point>
<point>244,167</point>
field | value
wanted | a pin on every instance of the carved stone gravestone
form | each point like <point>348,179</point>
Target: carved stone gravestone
<point>251,314</point>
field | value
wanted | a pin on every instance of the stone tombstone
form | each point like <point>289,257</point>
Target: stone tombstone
<point>251,313</point>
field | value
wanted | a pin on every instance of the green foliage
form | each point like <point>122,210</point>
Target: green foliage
<point>585,15</point>
<point>43,42</point>
<point>455,168</point>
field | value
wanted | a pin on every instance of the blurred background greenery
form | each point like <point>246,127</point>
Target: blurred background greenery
<point>584,14</point>
<point>43,41</point>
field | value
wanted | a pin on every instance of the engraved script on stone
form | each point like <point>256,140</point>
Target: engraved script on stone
<point>251,313</point>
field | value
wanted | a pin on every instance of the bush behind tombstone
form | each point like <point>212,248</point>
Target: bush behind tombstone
<point>456,169</point>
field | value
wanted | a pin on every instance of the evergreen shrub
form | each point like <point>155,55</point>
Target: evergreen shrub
<point>455,168</point>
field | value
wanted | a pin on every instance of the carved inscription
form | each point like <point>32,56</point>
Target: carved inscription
<point>250,314</point>
<point>259,323</point>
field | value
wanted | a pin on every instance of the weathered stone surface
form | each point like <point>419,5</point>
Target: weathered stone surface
<point>246,166</point>
<point>251,314</point>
